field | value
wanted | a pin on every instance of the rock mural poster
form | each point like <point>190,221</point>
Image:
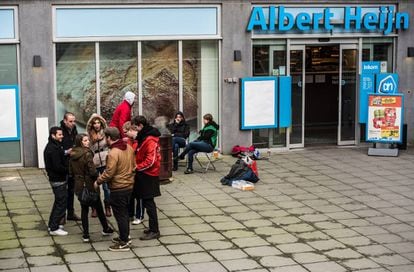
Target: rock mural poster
<point>384,118</point>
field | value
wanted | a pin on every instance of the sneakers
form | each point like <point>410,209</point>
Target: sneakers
<point>60,227</point>
<point>85,238</point>
<point>175,168</point>
<point>150,235</point>
<point>189,171</point>
<point>58,232</point>
<point>137,221</point>
<point>122,246</point>
<point>107,232</point>
<point>116,240</point>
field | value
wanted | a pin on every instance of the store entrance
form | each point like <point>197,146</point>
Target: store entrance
<point>323,94</point>
<point>321,97</point>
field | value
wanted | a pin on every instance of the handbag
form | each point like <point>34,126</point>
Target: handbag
<point>87,197</point>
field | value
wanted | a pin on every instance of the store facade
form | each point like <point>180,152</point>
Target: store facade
<point>82,56</point>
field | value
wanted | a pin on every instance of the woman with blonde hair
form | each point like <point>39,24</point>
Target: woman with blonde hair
<point>95,128</point>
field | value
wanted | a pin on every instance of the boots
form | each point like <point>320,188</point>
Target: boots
<point>94,213</point>
<point>108,212</point>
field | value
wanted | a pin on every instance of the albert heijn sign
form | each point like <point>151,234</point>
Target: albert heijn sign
<point>279,19</point>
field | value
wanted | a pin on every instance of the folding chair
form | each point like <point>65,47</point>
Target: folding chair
<point>210,161</point>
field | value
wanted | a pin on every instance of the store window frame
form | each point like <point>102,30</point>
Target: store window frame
<point>16,42</point>
<point>139,39</point>
<point>216,36</point>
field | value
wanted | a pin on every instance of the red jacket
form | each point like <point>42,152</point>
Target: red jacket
<point>121,115</point>
<point>148,157</point>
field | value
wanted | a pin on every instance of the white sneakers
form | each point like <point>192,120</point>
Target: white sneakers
<point>58,232</point>
<point>137,221</point>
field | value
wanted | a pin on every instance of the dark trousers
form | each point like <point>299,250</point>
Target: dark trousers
<point>119,201</point>
<point>177,143</point>
<point>149,204</point>
<point>137,210</point>
<point>59,206</point>
<point>84,215</point>
<point>70,196</point>
<point>195,147</point>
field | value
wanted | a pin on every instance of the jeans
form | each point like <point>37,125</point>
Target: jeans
<point>84,215</point>
<point>119,201</point>
<point>177,142</point>
<point>105,186</point>
<point>59,206</point>
<point>195,147</point>
<point>71,194</point>
<point>149,204</point>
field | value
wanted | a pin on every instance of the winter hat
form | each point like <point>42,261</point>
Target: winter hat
<point>129,97</point>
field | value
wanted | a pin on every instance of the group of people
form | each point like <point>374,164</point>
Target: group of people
<point>124,158</point>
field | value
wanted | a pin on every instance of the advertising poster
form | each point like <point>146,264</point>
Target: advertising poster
<point>384,118</point>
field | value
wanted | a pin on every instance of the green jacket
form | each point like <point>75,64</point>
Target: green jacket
<point>209,133</point>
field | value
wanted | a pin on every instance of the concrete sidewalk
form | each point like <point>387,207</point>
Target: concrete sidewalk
<point>315,210</point>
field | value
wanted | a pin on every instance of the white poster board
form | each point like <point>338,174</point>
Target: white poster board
<point>258,102</point>
<point>42,135</point>
<point>9,113</point>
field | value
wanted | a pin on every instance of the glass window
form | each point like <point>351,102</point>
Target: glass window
<point>378,49</point>
<point>10,150</point>
<point>200,82</point>
<point>118,74</point>
<point>8,64</point>
<point>7,24</point>
<point>76,81</point>
<point>269,58</point>
<point>99,22</point>
<point>159,79</point>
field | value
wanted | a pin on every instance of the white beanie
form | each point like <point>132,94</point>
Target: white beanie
<point>129,97</point>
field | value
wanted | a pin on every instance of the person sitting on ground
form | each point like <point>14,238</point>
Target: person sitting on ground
<point>95,128</point>
<point>180,131</point>
<point>82,168</point>
<point>136,212</point>
<point>206,142</point>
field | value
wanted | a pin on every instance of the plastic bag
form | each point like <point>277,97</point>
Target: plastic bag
<point>242,185</point>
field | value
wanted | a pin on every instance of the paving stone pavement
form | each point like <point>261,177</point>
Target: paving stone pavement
<point>328,210</point>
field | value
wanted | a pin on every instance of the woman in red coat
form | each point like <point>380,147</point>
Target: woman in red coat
<point>147,185</point>
<point>122,113</point>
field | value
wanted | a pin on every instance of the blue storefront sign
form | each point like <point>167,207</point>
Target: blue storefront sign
<point>383,19</point>
<point>387,83</point>
<point>370,67</point>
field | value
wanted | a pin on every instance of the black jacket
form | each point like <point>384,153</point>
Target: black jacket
<point>181,129</point>
<point>68,136</point>
<point>55,161</point>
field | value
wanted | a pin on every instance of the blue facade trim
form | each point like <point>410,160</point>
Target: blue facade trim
<point>243,111</point>
<point>17,107</point>
<point>285,101</point>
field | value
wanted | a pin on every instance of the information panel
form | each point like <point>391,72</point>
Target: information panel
<point>259,103</point>
<point>9,114</point>
<point>385,118</point>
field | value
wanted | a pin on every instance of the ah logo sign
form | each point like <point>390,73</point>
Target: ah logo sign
<point>387,83</point>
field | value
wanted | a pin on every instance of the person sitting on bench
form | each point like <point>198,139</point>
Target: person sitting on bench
<point>206,142</point>
<point>180,131</point>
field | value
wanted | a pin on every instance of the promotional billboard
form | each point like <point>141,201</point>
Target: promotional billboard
<point>385,118</point>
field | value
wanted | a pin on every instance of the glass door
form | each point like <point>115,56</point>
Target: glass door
<point>297,72</point>
<point>347,94</point>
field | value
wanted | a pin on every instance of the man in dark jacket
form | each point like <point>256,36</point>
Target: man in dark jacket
<point>69,130</point>
<point>56,168</point>
<point>180,131</point>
